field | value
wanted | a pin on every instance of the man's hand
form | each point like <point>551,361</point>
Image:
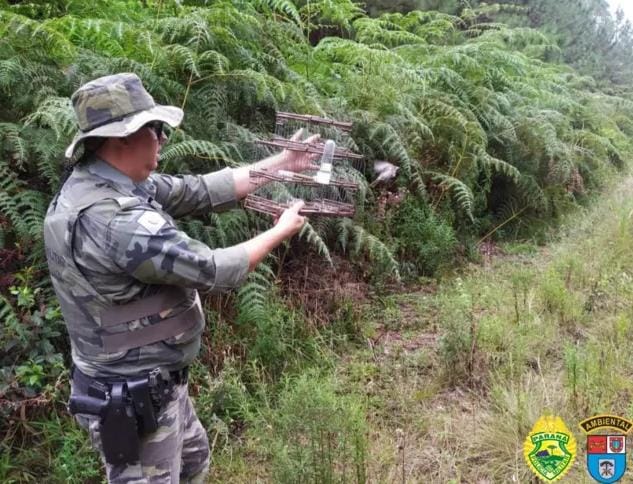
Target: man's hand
<point>290,222</point>
<point>288,160</point>
<point>299,161</point>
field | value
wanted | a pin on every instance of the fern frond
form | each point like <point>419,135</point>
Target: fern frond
<point>183,58</point>
<point>9,209</point>
<point>231,228</point>
<point>339,13</point>
<point>313,238</point>
<point>31,205</point>
<point>56,113</point>
<point>460,192</point>
<point>42,34</point>
<point>10,71</point>
<point>391,145</point>
<point>531,194</point>
<point>372,31</point>
<point>258,86</point>
<point>253,296</point>
<point>212,62</point>
<point>195,149</point>
<point>101,35</point>
<point>13,143</point>
<point>490,162</point>
<point>355,239</point>
<point>284,7</point>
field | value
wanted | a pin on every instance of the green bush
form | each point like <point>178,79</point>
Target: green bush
<point>31,337</point>
<point>280,341</point>
<point>459,334</point>
<point>423,239</point>
<point>316,433</point>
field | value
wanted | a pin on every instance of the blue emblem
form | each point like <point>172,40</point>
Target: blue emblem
<point>606,457</point>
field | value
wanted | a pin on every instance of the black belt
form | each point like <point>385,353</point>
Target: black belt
<point>99,386</point>
<point>84,382</point>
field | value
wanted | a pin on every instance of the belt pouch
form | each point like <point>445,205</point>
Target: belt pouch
<point>119,434</point>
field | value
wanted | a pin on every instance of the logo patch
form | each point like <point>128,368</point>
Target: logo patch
<point>606,453</point>
<point>550,448</point>
<point>151,221</point>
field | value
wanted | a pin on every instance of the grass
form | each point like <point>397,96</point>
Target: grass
<point>439,384</point>
<point>540,329</point>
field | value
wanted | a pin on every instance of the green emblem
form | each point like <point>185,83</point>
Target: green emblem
<point>550,448</point>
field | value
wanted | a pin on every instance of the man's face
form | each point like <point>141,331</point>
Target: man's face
<point>142,149</point>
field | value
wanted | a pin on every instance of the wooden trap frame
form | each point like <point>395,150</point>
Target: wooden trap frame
<point>325,181</point>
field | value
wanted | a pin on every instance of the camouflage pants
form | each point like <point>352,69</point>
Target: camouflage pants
<point>177,452</point>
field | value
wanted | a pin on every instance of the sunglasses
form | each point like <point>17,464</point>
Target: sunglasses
<point>157,127</point>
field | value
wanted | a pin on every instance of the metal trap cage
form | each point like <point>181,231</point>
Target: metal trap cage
<point>287,124</point>
<point>322,170</point>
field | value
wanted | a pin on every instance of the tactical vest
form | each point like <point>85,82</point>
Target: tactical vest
<point>99,330</point>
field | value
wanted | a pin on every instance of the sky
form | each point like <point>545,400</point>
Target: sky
<point>627,6</point>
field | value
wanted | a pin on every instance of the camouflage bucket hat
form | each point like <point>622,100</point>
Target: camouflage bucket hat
<point>116,106</point>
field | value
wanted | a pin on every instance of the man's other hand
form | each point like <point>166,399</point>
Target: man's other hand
<point>290,222</point>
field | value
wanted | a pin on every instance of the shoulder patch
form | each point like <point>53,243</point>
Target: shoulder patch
<point>128,202</point>
<point>151,221</point>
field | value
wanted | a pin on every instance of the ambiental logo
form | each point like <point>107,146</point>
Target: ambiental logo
<point>606,452</point>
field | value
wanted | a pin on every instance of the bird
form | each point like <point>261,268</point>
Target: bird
<point>385,171</point>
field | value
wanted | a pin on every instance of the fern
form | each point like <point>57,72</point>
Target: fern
<point>460,192</point>
<point>356,240</point>
<point>371,31</point>
<point>10,71</point>
<point>183,58</point>
<point>313,238</point>
<point>212,62</point>
<point>31,205</point>
<point>178,152</point>
<point>285,7</point>
<point>55,113</point>
<point>253,296</point>
<point>339,13</point>
<point>101,35</point>
<point>453,101</point>
<point>391,146</point>
<point>40,36</point>
<point>13,143</point>
<point>500,166</point>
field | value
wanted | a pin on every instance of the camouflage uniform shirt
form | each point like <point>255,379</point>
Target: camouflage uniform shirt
<point>126,253</point>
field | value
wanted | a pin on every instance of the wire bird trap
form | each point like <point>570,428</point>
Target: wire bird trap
<point>322,170</point>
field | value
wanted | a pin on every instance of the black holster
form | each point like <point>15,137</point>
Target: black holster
<point>127,410</point>
<point>119,429</point>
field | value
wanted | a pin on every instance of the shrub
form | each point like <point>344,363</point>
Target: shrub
<point>316,434</point>
<point>425,240</point>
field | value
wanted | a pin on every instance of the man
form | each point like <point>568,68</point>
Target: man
<point>127,279</point>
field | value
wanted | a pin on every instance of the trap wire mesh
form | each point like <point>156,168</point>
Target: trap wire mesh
<point>322,169</point>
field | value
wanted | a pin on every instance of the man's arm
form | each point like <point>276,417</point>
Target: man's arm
<point>152,250</point>
<point>289,223</point>
<point>217,191</point>
<point>192,194</point>
<point>241,176</point>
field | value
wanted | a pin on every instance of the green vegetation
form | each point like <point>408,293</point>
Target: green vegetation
<point>317,369</point>
<point>474,363</point>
